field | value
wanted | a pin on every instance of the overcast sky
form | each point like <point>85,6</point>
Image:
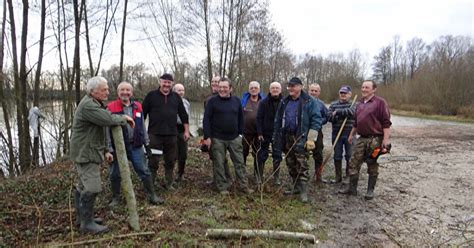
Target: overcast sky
<point>327,26</point>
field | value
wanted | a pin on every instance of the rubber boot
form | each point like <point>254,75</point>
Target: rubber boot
<point>180,176</point>
<point>351,189</point>
<point>303,192</point>
<point>370,188</point>
<point>276,174</point>
<point>115,185</point>
<point>294,189</point>
<point>153,165</point>
<point>169,179</point>
<point>151,195</point>
<point>87,209</point>
<point>77,204</point>
<point>347,168</point>
<point>338,167</point>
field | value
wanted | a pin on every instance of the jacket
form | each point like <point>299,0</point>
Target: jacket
<point>116,107</point>
<point>246,97</point>
<point>266,115</point>
<point>309,117</point>
<point>88,143</point>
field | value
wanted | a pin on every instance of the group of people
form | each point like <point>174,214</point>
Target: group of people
<point>253,124</point>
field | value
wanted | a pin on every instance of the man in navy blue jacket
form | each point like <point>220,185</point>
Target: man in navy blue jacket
<point>223,127</point>
<point>267,109</point>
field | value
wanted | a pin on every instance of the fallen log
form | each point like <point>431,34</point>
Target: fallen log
<point>251,233</point>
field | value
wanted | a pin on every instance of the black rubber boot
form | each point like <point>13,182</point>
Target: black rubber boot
<point>169,179</point>
<point>276,174</point>
<point>303,192</point>
<point>338,167</point>
<point>180,176</point>
<point>87,211</point>
<point>294,189</point>
<point>347,168</point>
<point>150,192</point>
<point>351,189</point>
<point>370,188</point>
<point>77,204</point>
<point>115,185</point>
<point>153,165</point>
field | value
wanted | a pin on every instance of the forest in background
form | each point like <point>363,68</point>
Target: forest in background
<point>238,40</point>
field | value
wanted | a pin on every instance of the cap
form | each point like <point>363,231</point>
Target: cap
<point>295,81</point>
<point>167,76</point>
<point>345,89</point>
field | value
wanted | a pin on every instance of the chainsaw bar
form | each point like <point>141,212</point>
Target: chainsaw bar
<point>388,159</point>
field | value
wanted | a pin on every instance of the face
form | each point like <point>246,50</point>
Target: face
<point>344,97</point>
<point>101,92</point>
<point>367,89</point>
<point>125,92</point>
<point>215,84</point>
<point>314,90</point>
<point>224,89</point>
<point>179,88</point>
<point>294,90</point>
<point>165,85</point>
<point>275,90</point>
<point>254,89</point>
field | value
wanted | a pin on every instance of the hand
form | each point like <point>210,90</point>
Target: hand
<point>148,151</point>
<point>130,121</point>
<point>186,136</point>
<point>309,145</point>
<point>349,139</point>
<point>208,142</point>
<point>109,157</point>
<point>385,145</point>
<point>260,138</point>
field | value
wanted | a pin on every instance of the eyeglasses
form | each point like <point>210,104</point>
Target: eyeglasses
<point>215,81</point>
<point>342,93</point>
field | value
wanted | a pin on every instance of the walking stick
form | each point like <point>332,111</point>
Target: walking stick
<point>326,159</point>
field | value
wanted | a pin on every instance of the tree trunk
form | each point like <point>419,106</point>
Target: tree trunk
<point>208,40</point>
<point>123,40</point>
<point>126,182</point>
<point>88,43</point>
<point>77,59</point>
<point>243,233</point>
<point>37,80</point>
<point>6,114</point>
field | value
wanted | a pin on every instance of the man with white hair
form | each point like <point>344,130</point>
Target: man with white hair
<point>249,104</point>
<point>267,109</point>
<point>88,149</point>
<point>134,139</point>
<point>182,143</point>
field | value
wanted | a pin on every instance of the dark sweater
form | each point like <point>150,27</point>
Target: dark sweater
<point>163,110</point>
<point>223,118</point>
<point>266,115</point>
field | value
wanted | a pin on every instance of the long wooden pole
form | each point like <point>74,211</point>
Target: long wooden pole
<point>250,233</point>
<point>126,182</point>
<point>326,159</point>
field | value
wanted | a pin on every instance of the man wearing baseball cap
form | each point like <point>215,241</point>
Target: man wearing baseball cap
<point>297,123</point>
<point>338,111</point>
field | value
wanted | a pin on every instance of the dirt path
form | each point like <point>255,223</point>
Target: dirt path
<point>428,202</point>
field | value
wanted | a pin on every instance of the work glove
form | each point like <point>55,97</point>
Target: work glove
<point>311,141</point>
<point>148,151</point>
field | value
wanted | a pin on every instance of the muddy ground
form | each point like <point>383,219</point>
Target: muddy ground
<point>428,202</point>
<point>422,203</point>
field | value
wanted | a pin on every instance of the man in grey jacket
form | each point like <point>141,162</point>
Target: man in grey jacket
<point>88,149</point>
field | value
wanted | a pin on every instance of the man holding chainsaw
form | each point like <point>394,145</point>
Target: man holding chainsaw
<point>372,123</point>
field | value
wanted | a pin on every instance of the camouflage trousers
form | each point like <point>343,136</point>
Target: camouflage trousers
<point>361,150</point>
<point>218,149</point>
<point>296,160</point>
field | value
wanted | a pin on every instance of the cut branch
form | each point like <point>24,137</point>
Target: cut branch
<point>251,233</point>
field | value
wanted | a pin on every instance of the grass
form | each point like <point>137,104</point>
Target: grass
<point>34,210</point>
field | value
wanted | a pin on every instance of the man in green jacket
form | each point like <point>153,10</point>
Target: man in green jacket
<point>88,149</point>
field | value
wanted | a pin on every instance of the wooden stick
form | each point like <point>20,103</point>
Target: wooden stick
<point>92,241</point>
<point>251,233</point>
<point>126,182</point>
